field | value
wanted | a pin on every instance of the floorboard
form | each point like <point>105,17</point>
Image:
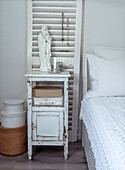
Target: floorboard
<point>47,158</point>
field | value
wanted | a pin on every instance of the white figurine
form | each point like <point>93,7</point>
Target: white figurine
<point>44,43</point>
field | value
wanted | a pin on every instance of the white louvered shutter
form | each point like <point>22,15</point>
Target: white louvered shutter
<point>68,51</point>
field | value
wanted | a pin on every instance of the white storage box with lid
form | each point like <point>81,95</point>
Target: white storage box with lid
<point>13,106</point>
<point>12,120</point>
<point>13,115</point>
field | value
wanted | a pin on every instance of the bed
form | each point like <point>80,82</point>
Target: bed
<point>103,111</point>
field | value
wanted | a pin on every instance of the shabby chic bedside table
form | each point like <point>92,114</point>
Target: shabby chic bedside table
<point>42,119</point>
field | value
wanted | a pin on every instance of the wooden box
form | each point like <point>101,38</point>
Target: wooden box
<point>13,140</point>
<point>47,92</point>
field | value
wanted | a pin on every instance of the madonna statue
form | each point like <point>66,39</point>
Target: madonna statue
<point>44,43</point>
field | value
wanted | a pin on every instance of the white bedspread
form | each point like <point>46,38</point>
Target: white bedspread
<point>104,119</point>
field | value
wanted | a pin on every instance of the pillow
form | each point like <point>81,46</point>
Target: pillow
<point>109,77</point>
<point>91,65</point>
<point>109,53</point>
<point>91,68</point>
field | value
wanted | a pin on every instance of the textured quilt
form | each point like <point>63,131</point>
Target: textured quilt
<point>104,118</point>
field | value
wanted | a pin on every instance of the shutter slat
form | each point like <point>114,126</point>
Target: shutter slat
<point>57,38</point>
<point>56,49</point>
<point>56,32</point>
<point>53,20</point>
<point>57,43</point>
<point>54,3</point>
<point>54,9</point>
<point>57,54</point>
<point>55,26</point>
<point>53,15</point>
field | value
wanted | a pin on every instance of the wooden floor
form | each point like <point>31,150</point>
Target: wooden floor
<point>46,158</point>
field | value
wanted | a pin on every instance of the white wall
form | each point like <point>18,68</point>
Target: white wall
<point>12,49</point>
<point>104,23</point>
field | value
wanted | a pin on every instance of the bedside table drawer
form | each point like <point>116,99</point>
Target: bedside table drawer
<point>47,126</point>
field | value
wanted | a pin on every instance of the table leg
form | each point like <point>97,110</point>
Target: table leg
<point>29,117</point>
<point>66,119</point>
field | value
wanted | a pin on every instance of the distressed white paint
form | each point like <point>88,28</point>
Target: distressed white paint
<point>46,12</point>
<point>46,143</point>
<point>66,118</point>
<point>46,109</point>
<point>44,75</point>
<point>58,101</point>
<point>48,126</point>
<point>42,120</point>
<point>29,117</point>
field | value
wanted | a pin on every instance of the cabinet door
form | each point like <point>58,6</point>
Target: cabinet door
<point>47,126</point>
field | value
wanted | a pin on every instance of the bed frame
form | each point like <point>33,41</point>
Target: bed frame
<point>87,148</point>
<point>85,141</point>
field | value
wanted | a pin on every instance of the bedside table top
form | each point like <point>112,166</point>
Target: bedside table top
<point>47,74</point>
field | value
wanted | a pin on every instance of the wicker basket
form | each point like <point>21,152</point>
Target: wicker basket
<point>13,140</point>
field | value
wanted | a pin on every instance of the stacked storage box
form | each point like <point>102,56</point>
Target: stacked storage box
<point>13,115</point>
<point>47,96</point>
<point>13,128</point>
